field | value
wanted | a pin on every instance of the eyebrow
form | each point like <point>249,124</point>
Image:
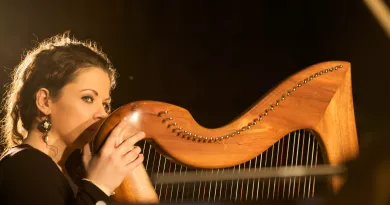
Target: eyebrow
<point>96,93</point>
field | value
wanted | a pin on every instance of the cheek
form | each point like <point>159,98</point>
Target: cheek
<point>69,120</point>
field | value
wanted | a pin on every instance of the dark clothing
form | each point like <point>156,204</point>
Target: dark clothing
<point>28,176</point>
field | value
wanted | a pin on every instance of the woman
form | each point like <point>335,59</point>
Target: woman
<point>58,90</point>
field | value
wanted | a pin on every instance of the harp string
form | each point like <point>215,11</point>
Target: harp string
<point>200,186</point>
<point>301,162</point>
<point>292,162</point>
<point>315,165</point>
<point>166,185</point>
<point>222,187</point>
<point>215,187</point>
<point>307,162</point>
<point>284,179</point>
<point>258,180</point>
<point>296,163</point>
<point>295,149</point>
<point>178,185</point>
<point>269,180</point>
<point>158,171</point>
<point>311,165</point>
<point>280,164</point>
<point>248,182</point>
<point>253,181</point>
<point>266,160</point>
<point>210,184</point>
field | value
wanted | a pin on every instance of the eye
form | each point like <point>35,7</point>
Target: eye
<point>88,99</point>
<point>107,107</point>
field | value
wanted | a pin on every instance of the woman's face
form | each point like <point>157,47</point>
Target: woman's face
<point>81,103</point>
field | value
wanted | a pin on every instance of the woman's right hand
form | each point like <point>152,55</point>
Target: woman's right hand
<point>116,159</point>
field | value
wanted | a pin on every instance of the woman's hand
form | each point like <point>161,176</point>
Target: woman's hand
<point>116,159</point>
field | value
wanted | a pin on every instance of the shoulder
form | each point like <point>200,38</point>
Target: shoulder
<point>26,168</point>
<point>28,165</point>
<point>26,157</point>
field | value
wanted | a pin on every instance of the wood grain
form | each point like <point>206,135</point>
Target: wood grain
<point>322,104</point>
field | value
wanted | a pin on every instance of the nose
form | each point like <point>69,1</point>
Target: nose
<point>100,113</point>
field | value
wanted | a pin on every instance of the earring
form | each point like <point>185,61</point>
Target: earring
<point>45,127</point>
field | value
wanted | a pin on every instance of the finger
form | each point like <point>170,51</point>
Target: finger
<point>126,133</point>
<point>132,140</point>
<point>112,138</point>
<point>132,155</point>
<point>125,147</point>
<point>86,153</point>
<point>136,162</point>
<point>86,150</point>
<point>129,143</point>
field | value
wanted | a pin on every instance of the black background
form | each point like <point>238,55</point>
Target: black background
<point>214,58</point>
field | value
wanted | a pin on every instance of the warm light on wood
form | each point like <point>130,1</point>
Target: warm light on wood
<point>321,102</point>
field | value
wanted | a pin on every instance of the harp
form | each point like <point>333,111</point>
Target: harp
<point>305,122</point>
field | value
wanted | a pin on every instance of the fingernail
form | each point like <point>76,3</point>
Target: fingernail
<point>143,134</point>
<point>119,140</point>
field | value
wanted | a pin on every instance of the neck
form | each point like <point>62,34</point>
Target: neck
<point>55,148</point>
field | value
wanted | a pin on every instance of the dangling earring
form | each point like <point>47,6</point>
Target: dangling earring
<point>45,127</point>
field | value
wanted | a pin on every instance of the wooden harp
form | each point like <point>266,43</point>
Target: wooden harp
<point>305,121</point>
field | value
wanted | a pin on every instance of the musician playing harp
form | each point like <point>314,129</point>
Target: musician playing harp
<point>63,87</point>
<point>58,90</point>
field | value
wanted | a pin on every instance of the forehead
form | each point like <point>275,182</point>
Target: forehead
<point>92,78</point>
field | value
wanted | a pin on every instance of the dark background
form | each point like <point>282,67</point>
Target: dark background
<point>214,58</point>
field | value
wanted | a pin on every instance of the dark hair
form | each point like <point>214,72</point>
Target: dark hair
<point>51,65</point>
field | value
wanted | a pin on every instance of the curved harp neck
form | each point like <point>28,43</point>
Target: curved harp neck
<point>318,98</point>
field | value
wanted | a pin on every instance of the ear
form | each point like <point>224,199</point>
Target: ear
<point>42,100</point>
